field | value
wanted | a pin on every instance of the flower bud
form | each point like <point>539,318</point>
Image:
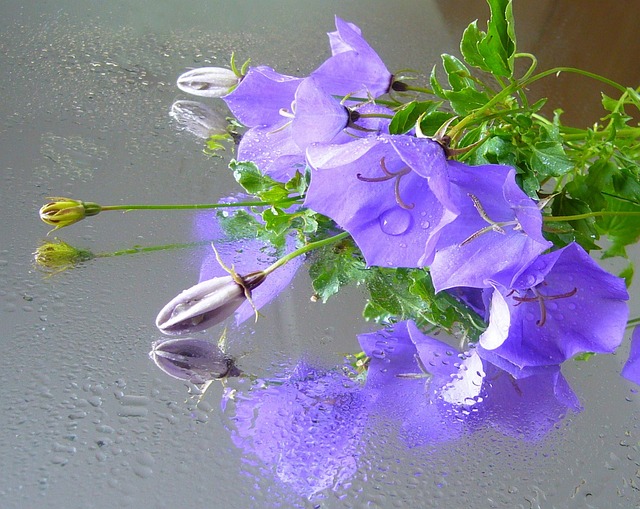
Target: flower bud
<point>208,81</point>
<point>64,211</point>
<point>58,255</point>
<point>207,303</point>
<point>198,119</point>
<point>195,360</point>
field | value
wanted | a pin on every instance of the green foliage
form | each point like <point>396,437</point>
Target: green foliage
<point>588,178</point>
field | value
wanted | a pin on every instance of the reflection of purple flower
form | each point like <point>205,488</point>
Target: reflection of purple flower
<point>355,68</point>
<point>387,192</point>
<point>562,305</point>
<point>631,370</point>
<point>471,250</point>
<point>307,427</point>
<point>437,393</point>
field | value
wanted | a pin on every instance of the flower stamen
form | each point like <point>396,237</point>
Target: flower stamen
<point>494,226</point>
<point>388,175</point>
<point>541,298</point>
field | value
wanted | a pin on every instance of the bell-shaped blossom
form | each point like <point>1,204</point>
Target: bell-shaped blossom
<point>198,119</point>
<point>631,369</point>
<point>260,96</point>
<point>279,150</point>
<point>497,234</point>
<point>245,255</point>
<point>306,428</point>
<point>562,305</point>
<point>389,192</point>
<point>195,360</point>
<point>438,393</point>
<point>355,69</point>
<point>208,81</point>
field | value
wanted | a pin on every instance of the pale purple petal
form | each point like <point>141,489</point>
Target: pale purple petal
<point>355,68</point>
<point>259,97</point>
<point>391,230</point>
<point>631,369</point>
<point>272,150</point>
<point>318,116</point>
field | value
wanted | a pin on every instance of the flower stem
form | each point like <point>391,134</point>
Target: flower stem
<point>304,249</point>
<point>200,206</point>
<point>587,215</point>
<point>151,249</point>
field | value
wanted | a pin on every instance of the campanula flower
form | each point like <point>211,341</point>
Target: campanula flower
<point>314,116</point>
<point>496,235</point>
<point>631,369</point>
<point>389,192</point>
<point>562,305</point>
<point>305,428</point>
<point>208,81</point>
<point>195,360</point>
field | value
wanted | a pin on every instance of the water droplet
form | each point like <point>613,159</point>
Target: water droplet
<point>425,225</point>
<point>395,221</point>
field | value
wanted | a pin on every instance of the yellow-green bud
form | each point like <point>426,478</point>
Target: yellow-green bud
<point>58,255</point>
<point>61,212</point>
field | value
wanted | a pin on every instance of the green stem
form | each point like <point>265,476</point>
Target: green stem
<point>588,215</point>
<point>633,322</point>
<point>422,90</point>
<point>304,249</point>
<point>151,249</point>
<point>557,70</point>
<point>199,206</point>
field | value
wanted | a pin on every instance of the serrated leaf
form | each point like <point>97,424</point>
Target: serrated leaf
<point>334,267</point>
<point>548,159</point>
<point>457,73</point>
<point>471,38</point>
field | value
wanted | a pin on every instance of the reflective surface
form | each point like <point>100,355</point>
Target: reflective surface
<point>88,420</point>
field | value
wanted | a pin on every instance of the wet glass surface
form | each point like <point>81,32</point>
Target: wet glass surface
<point>89,421</point>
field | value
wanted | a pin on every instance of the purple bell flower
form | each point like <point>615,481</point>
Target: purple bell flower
<point>496,235</point>
<point>562,305</point>
<point>387,192</point>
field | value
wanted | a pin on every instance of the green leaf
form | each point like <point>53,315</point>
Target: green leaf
<point>494,50</point>
<point>335,266</point>
<point>405,119</point>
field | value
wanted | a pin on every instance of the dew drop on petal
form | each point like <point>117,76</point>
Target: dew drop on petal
<point>395,221</point>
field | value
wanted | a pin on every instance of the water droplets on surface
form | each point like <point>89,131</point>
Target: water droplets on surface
<point>395,221</point>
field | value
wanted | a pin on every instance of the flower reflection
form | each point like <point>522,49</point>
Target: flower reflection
<point>438,393</point>
<point>307,428</point>
<point>194,360</point>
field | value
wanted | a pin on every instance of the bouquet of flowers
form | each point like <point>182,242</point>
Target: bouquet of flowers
<point>460,205</point>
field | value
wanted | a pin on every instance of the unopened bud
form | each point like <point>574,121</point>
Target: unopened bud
<point>58,255</point>
<point>64,211</point>
<point>208,81</point>
<point>207,303</point>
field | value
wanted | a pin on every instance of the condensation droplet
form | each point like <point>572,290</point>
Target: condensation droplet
<point>395,221</point>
